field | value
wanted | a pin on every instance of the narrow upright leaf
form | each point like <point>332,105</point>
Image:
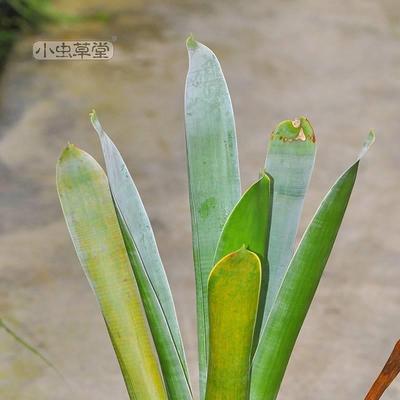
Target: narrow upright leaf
<point>148,269</point>
<point>93,225</point>
<point>233,292</point>
<point>213,169</point>
<point>298,287</point>
<point>248,224</point>
<point>290,161</point>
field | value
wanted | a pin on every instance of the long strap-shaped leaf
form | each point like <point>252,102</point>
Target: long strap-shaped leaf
<point>148,269</point>
<point>233,293</point>
<point>213,169</point>
<point>248,224</point>
<point>387,375</point>
<point>93,225</point>
<point>298,287</point>
<point>290,161</point>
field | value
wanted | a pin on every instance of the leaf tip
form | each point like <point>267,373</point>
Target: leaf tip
<point>69,151</point>
<point>264,177</point>
<point>368,142</point>
<point>191,43</point>
<point>370,138</point>
<point>306,129</point>
<point>93,115</point>
<point>96,123</point>
<point>296,130</point>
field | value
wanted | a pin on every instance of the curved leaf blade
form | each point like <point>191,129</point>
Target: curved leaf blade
<point>213,169</point>
<point>93,225</point>
<point>148,269</point>
<point>249,224</point>
<point>290,161</point>
<point>298,287</point>
<point>233,292</point>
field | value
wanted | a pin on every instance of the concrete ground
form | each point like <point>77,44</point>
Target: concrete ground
<point>337,62</point>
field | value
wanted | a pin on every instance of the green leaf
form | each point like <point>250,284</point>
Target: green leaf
<point>93,225</point>
<point>233,293</point>
<point>213,169</point>
<point>29,347</point>
<point>290,161</point>
<point>298,287</point>
<point>249,224</point>
<point>148,269</point>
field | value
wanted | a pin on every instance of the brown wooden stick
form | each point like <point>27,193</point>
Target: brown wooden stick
<point>387,375</point>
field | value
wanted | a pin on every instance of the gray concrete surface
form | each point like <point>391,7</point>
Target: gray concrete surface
<point>337,62</point>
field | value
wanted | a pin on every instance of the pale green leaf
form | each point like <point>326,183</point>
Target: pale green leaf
<point>93,225</point>
<point>290,161</point>
<point>148,269</point>
<point>298,287</point>
<point>213,169</point>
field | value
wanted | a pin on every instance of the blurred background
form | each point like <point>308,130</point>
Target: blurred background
<point>337,62</point>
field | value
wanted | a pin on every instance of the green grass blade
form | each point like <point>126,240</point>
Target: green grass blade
<point>213,169</point>
<point>233,293</point>
<point>29,347</point>
<point>298,287</point>
<point>93,225</point>
<point>148,269</point>
<point>249,224</point>
<point>290,161</point>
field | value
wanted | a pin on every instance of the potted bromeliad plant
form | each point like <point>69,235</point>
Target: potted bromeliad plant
<point>253,290</point>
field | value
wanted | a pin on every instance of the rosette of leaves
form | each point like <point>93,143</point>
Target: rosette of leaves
<point>253,288</point>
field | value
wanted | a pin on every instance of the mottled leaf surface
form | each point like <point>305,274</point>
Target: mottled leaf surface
<point>213,169</point>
